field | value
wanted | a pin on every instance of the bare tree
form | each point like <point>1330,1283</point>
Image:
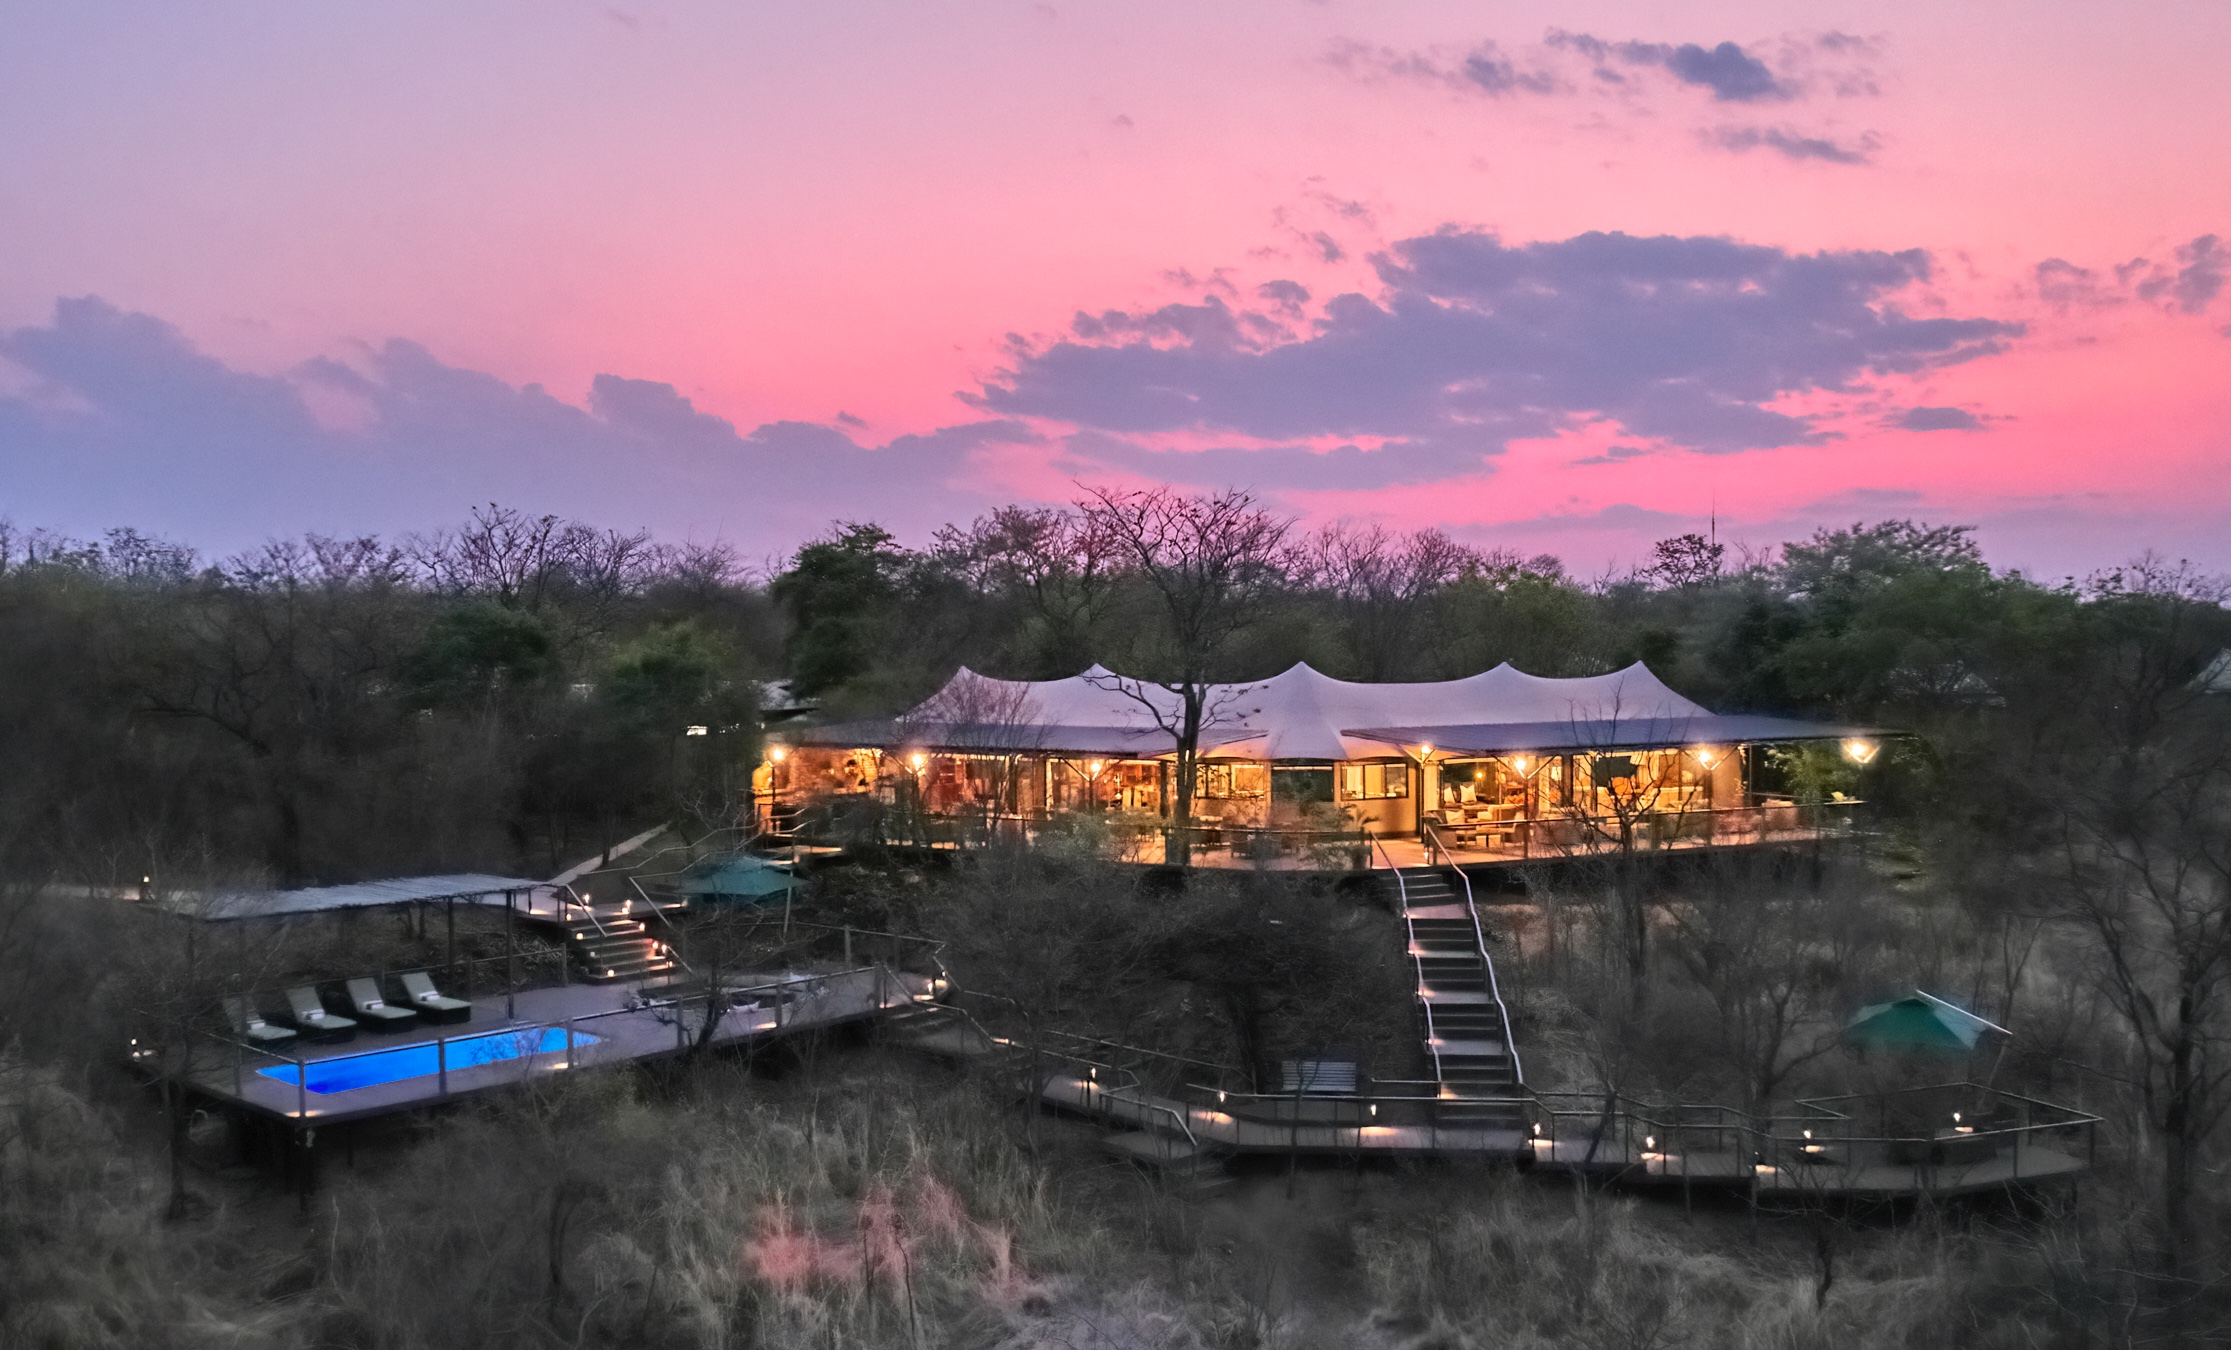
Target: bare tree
<point>1383,585</point>
<point>1208,563</point>
<point>998,720</point>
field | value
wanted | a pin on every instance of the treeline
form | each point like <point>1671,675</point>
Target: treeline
<point>521,689</point>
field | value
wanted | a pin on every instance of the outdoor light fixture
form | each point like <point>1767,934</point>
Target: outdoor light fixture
<point>776,753</point>
<point>1096,766</point>
<point>1375,1110</point>
<point>916,761</point>
<point>1707,756</point>
<point>1860,751</point>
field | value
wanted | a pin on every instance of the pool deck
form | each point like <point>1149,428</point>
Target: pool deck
<point>769,1006</point>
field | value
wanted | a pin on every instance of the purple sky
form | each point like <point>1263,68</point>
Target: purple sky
<point>1568,277</point>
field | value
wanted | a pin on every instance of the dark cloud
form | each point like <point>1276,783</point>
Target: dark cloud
<point>2190,285</point>
<point>1473,343</point>
<point>2195,282</point>
<point>1617,454</point>
<point>2062,283</point>
<point>1486,68</point>
<point>1732,74</point>
<point>1933,419</point>
<point>1790,144</point>
<point>123,421</point>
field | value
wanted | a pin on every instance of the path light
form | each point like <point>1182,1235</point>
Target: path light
<point>1860,751</point>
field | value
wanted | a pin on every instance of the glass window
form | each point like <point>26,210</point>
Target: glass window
<point>1365,781</point>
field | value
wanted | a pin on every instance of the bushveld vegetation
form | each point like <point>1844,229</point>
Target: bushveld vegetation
<point>2053,847</point>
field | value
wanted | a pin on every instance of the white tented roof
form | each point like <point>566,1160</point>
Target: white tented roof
<point>1298,715</point>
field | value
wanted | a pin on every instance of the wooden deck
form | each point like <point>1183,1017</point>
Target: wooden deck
<point>1221,1131</point>
<point>596,1025</point>
<point>1870,1176</point>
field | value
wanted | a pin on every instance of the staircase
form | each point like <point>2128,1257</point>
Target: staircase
<point>1466,1036</point>
<point>614,946</point>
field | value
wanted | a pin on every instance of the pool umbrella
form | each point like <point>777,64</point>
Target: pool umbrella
<point>1920,1022</point>
<point>736,877</point>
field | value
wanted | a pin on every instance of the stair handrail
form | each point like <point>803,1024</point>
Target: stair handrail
<point>1185,1127</point>
<point>585,907</point>
<point>671,947</point>
<point>1417,968</point>
<point>1494,987</point>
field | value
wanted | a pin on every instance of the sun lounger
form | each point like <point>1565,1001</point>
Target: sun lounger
<point>249,1026</point>
<point>418,989</point>
<point>310,1015</point>
<point>375,1011</point>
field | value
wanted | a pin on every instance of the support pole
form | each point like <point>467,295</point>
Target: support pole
<point>511,974</point>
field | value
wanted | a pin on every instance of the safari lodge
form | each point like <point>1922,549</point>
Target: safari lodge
<point>1303,770</point>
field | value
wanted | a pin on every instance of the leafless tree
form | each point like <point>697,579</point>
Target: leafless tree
<point>1209,564</point>
<point>996,719</point>
<point>1383,585</point>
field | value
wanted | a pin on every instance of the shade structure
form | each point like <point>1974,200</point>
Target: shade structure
<point>1920,1022</point>
<point>735,876</point>
<point>466,886</point>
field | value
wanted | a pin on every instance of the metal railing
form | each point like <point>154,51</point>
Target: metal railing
<point>1494,986</point>
<point>1921,1133</point>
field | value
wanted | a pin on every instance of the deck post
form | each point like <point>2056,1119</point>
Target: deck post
<point>301,1084</point>
<point>511,978</point>
<point>441,1062</point>
<point>569,1043</point>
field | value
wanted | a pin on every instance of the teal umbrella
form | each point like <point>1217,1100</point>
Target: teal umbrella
<point>1920,1022</point>
<point>740,876</point>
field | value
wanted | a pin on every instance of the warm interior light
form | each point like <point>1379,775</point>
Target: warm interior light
<point>917,761</point>
<point>776,753</point>
<point>1521,764</point>
<point>1860,751</point>
<point>1707,756</point>
<point>1095,766</point>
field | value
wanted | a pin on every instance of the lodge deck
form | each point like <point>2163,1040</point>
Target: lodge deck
<point>602,1025</point>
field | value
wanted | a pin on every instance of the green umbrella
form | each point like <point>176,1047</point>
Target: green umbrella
<point>736,877</point>
<point>1920,1022</point>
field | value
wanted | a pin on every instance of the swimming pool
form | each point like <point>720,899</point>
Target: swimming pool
<point>423,1059</point>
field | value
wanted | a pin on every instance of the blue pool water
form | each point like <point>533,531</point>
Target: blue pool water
<point>421,1060</point>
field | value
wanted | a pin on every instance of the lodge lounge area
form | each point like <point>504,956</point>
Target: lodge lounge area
<point>1305,771</point>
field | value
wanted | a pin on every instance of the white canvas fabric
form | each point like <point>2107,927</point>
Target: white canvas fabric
<point>1303,714</point>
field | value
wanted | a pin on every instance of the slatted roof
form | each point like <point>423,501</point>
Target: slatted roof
<point>467,886</point>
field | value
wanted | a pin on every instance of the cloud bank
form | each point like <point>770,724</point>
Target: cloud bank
<point>1474,343</point>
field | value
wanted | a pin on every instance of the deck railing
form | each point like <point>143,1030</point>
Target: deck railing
<point>1555,835</point>
<point>1948,1125</point>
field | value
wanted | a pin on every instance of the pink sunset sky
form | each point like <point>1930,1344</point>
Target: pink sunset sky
<point>1564,277</point>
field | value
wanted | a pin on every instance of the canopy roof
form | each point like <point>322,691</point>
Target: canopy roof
<point>1304,715</point>
<point>468,886</point>
<point>1921,1022</point>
